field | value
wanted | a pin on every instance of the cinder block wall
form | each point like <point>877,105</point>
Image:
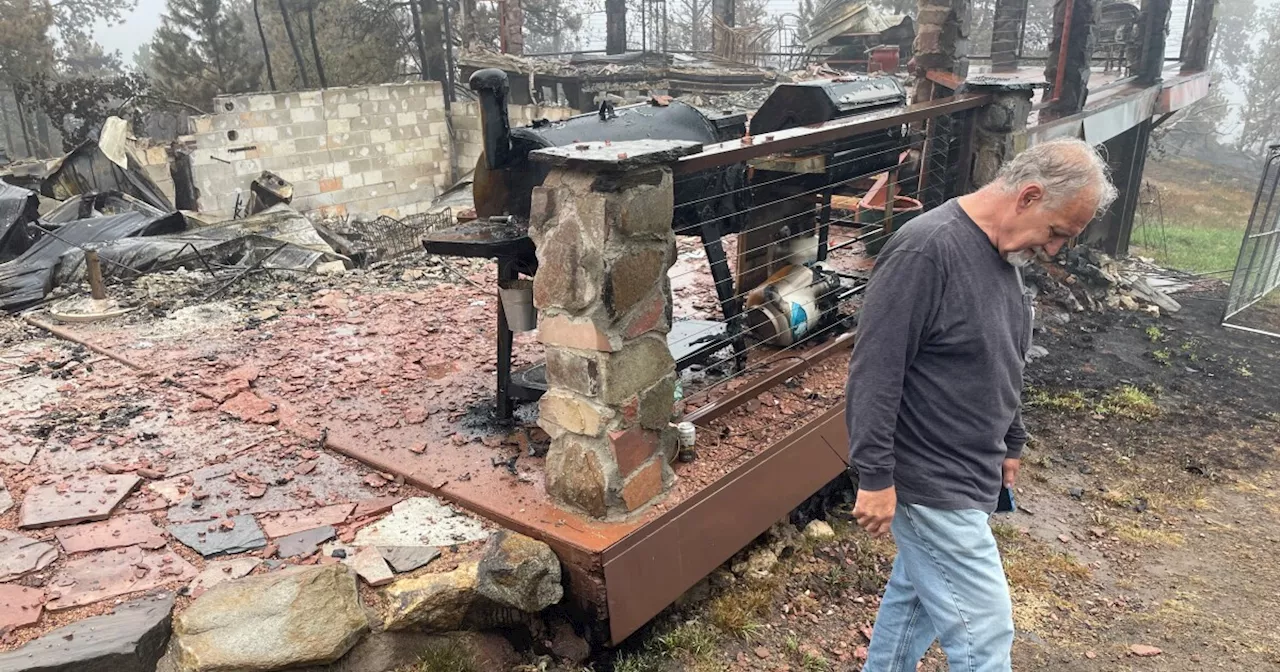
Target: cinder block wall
<point>155,163</point>
<point>466,126</point>
<point>360,151</point>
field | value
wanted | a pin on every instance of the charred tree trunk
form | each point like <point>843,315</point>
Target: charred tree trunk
<point>266,53</point>
<point>432,30</point>
<point>4,118</point>
<point>615,41</point>
<point>315,48</point>
<point>415,16</point>
<point>512,27</point>
<point>1195,44</point>
<point>293,45</point>
<point>22,122</point>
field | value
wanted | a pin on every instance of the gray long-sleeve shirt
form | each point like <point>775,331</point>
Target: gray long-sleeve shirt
<point>935,381</point>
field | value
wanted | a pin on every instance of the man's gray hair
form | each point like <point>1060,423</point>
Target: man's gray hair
<point>1064,168</point>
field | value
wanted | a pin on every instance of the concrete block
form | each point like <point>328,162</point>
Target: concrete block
<point>262,102</point>
<point>379,93</point>
<point>406,118</point>
<point>360,165</point>
<point>380,135</point>
<point>333,126</point>
<point>247,167</point>
<point>353,180</point>
<point>315,172</point>
<point>349,110</point>
<point>304,188</point>
<point>371,176</point>
<point>339,168</point>
<point>298,115</point>
<point>309,99</point>
<point>202,124</point>
<point>401,159</point>
<point>265,134</point>
<point>307,144</point>
<point>318,127</point>
<point>294,175</point>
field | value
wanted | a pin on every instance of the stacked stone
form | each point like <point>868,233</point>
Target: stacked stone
<point>942,42</point>
<point>1001,129</point>
<point>604,240</point>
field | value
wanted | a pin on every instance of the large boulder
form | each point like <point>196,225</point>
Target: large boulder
<point>130,639</point>
<point>295,617</point>
<point>431,602</point>
<point>520,573</point>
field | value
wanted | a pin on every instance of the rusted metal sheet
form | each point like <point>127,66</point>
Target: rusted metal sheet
<point>652,567</point>
<point>1182,91</point>
<point>790,139</point>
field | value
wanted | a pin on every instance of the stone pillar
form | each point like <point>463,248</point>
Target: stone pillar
<point>1000,133</point>
<point>602,225</point>
<point>1006,34</point>
<point>1079,56</point>
<point>942,43</point>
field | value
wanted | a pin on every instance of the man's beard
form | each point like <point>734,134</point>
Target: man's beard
<point>1020,258</point>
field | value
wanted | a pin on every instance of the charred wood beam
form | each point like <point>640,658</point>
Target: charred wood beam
<point>1069,79</point>
<point>1196,41</point>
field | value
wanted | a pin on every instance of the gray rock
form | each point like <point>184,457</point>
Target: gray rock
<point>408,558</point>
<point>1036,352</point>
<point>130,639</point>
<point>245,536</point>
<point>304,543</point>
<point>290,618</point>
<point>616,156</point>
<point>6,500</point>
<point>519,572</point>
<point>21,555</point>
<point>819,530</point>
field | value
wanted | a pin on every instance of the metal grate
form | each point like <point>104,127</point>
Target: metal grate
<point>388,237</point>
<point>1257,271</point>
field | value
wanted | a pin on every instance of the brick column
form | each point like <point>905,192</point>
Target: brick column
<point>1000,133</point>
<point>942,43</point>
<point>602,225</point>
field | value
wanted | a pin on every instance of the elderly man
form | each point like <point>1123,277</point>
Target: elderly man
<point>934,397</point>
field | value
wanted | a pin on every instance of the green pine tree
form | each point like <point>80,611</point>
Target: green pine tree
<point>203,49</point>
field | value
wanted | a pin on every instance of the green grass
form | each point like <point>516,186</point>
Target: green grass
<point>447,656</point>
<point>1199,248</point>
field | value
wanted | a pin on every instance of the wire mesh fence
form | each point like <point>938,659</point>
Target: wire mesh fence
<point>789,243</point>
<point>1257,273</point>
<point>387,237</point>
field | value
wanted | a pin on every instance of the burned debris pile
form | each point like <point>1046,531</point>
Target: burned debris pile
<point>1083,278</point>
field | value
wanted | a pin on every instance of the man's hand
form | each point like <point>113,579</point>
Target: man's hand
<point>1010,469</point>
<point>874,510</point>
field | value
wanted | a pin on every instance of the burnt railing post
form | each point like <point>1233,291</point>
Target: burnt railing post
<point>1070,57</point>
<point>602,225</point>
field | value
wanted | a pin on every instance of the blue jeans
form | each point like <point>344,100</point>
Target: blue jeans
<point>947,584</point>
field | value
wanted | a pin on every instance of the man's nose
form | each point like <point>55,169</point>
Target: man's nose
<point>1052,248</point>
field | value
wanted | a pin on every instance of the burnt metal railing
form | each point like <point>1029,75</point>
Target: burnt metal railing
<point>812,184</point>
<point>1257,272</point>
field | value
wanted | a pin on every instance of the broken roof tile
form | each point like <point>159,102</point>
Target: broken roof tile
<point>304,543</point>
<point>232,535</point>
<point>119,571</point>
<point>126,530</point>
<point>20,555</point>
<point>289,522</point>
<point>19,605</point>
<point>88,497</point>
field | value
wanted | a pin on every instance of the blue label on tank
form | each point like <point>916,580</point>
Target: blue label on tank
<point>799,320</point>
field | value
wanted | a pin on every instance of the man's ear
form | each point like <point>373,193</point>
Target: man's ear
<point>1029,195</point>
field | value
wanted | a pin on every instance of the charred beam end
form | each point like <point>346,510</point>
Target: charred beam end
<point>492,87</point>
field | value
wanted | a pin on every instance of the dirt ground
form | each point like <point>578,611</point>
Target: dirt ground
<point>1149,521</point>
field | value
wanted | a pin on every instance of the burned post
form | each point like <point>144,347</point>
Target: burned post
<point>1198,38</point>
<point>1146,54</point>
<point>602,225</point>
<point>1071,55</point>
<point>1006,34</point>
